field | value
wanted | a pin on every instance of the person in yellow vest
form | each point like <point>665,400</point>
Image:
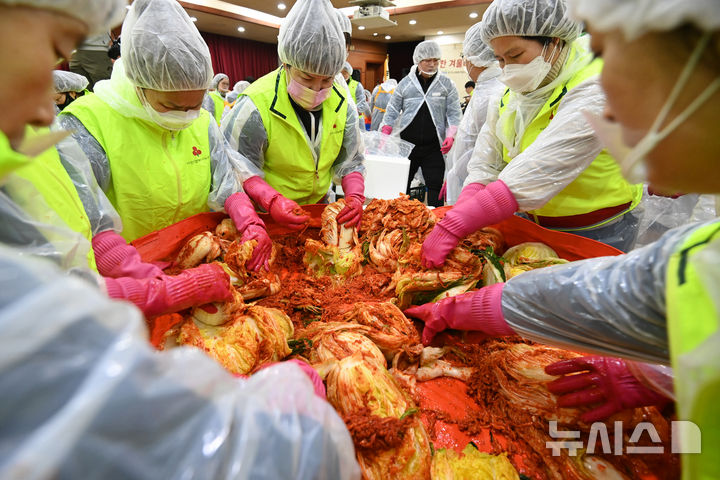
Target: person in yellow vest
<point>79,366</point>
<point>357,91</point>
<point>655,304</point>
<point>379,100</point>
<point>298,126</point>
<point>214,100</point>
<point>67,87</point>
<point>54,209</point>
<point>537,152</point>
<point>157,155</point>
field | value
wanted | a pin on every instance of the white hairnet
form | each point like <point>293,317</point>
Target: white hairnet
<point>534,18</point>
<point>348,68</point>
<point>475,50</point>
<point>388,84</point>
<point>311,40</point>
<point>162,49</point>
<point>68,81</point>
<point>344,22</point>
<point>240,86</point>
<point>425,50</point>
<point>217,79</point>
<point>636,17</point>
<point>99,15</point>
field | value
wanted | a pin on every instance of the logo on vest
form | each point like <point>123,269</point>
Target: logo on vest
<point>197,152</point>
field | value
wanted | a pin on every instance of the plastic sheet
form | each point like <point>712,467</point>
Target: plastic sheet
<point>103,404</point>
<point>659,214</point>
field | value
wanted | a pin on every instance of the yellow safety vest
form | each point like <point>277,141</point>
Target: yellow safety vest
<point>600,185</point>
<point>694,336</point>
<point>352,86</point>
<point>290,164</point>
<point>219,102</point>
<point>47,174</point>
<point>158,177</point>
<point>10,160</point>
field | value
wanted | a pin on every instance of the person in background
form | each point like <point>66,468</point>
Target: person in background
<point>297,126</point>
<point>84,363</point>
<point>67,87</point>
<point>238,88</point>
<point>425,111</point>
<point>657,303</point>
<point>357,91</point>
<point>156,154</point>
<point>214,100</point>
<point>469,85</point>
<point>537,152</point>
<point>91,59</point>
<point>483,68</point>
<point>379,102</point>
<point>114,50</point>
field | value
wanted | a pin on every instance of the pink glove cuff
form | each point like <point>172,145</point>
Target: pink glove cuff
<point>206,279</point>
<point>451,131</point>
<point>115,258</point>
<point>260,191</point>
<point>491,205</point>
<point>313,376</point>
<point>129,289</point>
<point>242,212</point>
<point>469,191</point>
<point>487,305</point>
<point>353,184</point>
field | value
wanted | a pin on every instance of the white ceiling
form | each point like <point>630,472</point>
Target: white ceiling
<point>431,16</point>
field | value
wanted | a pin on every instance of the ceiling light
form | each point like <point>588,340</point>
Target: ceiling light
<point>473,15</point>
<point>241,29</point>
<point>412,22</point>
<point>375,34</point>
<point>361,27</point>
<point>440,32</point>
<point>194,19</point>
<point>282,6</point>
<point>387,37</point>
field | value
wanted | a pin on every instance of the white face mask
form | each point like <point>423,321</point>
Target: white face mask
<point>632,159</point>
<point>174,120</point>
<point>523,78</point>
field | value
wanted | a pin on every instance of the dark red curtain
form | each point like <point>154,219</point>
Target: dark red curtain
<point>238,58</point>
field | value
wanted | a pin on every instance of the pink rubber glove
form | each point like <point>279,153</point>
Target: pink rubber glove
<point>248,223</point>
<point>443,192</point>
<point>312,374</point>
<point>157,296</point>
<point>606,382</point>
<point>469,192</point>
<point>115,258</point>
<point>281,209</point>
<point>480,310</point>
<point>449,139</point>
<point>386,129</point>
<point>353,185</point>
<point>491,205</point>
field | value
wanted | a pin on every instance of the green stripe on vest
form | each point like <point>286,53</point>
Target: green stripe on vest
<point>601,184</point>
<point>290,166</point>
<point>694,337</point>
<point>158,177</point>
